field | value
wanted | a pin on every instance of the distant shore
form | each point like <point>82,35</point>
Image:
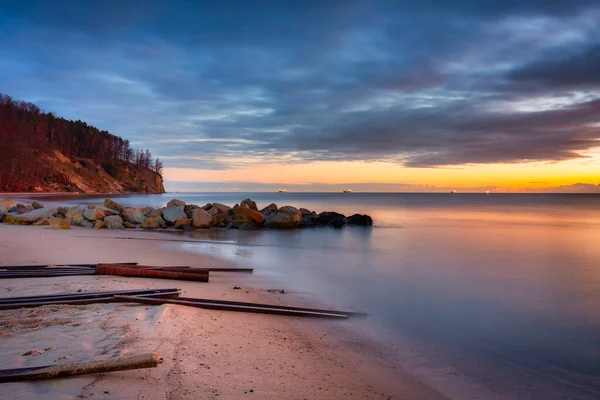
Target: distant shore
<point>206,352</point>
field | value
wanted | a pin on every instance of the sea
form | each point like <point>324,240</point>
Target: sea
<point>488,296</point>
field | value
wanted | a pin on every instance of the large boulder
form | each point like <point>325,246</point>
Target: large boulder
<point>5,205</point>
<point>59,223</point>
<point>94,214</point>
<point>21,209</point>
<point>331,218</point>
<point>175,203</point>
<point>113,205</point>
<point>150,223</point>
<point>188,209</point>
<point>43,221</point>
<point>37,205</point>
<point>84,223</point>
<point>128,225</point>
<point>9,219</point>
<point>63,211</point>
<point>156,212</point>
<point>147,211</point>
<point>247,213</point>
<point>181,223</point>
<point>99,224</point>
<point>207,206</point>
<point>75,214</point>
<point>201,218</point>
<point>222,208</point>
<point>358,219</point>
<point>249,204</point>
<point>113,222</point>
<point>32,216</point>
<point>281,220</point>
<point>170,214</point>
<point>133,215</point>
<point>270,209</point>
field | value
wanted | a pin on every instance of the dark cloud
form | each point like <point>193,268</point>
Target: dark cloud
<point>421,83</point>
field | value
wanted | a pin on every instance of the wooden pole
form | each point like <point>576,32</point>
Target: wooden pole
<point>80,368</point>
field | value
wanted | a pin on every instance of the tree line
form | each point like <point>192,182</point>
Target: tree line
<point>27,130</point>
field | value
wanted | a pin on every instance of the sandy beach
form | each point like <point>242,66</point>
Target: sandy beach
<point>208,354</point>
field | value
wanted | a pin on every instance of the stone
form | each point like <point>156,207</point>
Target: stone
<point>9,219</point>
<point>133,215</point>
<point>94,214</point>
<point>249,204</point>
<point>201,218</point>
<point>328,218</point>
<point>113,205</point>
<point>157,212</point>
<point>150,223</point>
<point>113,222</point>
<point>99,224</point>
<point>175,203</point>
<point>32,216</point>
<point>358,219</point>
<point>242,223</point>
<point>270,209</point>
<point>247,213</point>
<point>59,223</point>
<point>189,208</point>
<point>147,211</point>
<point>43,221</point>
<point>75,214</point>
<point>37,205</point>
<point>220,220</point>
<point>304,211</point>
<point>170,214</point>
<point>281,220</point>
<point>1,216</point>
<point>180,223</point>
<point>21,209</point>
<point>222,208</point>
<point>161,222</point>
<point>213,211</point>
<point>128,225</point>
<point>63,211</point>
<point>84,223</point>
<point>207,206</point>
<point>6,205</point>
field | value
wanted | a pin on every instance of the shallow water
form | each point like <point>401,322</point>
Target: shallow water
<point>501,290</point>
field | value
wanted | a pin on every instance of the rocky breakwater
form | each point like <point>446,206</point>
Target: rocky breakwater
<point>176,215</point>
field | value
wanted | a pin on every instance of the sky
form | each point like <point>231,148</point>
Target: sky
<point>409,96</point>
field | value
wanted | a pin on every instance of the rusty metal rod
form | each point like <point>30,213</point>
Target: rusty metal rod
<point>64,265</point>
<point>11,275</point>
<point>255,308</point>
<point>150,360</point>
<point>144,273</point>
<point>84,295</point>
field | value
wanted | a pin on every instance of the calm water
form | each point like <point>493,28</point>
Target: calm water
<point>500,293</point>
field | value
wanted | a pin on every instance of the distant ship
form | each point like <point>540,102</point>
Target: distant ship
<point>282,191</point>
<point>453,192</point>
<point>347,191</point>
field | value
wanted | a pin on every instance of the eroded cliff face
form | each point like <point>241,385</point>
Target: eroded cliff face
<point>83,175</point>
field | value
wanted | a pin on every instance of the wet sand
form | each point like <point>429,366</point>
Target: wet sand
<point>208,354</point>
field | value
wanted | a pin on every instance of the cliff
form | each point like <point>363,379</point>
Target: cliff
<point>40,152</point>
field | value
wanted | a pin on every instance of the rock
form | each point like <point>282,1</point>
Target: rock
<point>180,223</point>
<point>84,223</point>
<point>249,204</point>
<point>128,225</point>
<point>281,220</point>
<point>358,219</point>
<point>207,206</point>
<point>32,216</point>
<point>75,214</point>
<point>1,216</point>
<point>113,205</point>
<point>247,213</point>
<point>150,223</point>
<point>328,218</point>
<point>188,209</point>
<point>175,203</point>
<point>221,220</point>
<point>133,215</point>
<point>99,224</point>
<point>304,211</point>
<point>63,211</point>
<point>270,209</point>
<point>338,223</point>
<point>94,214</point>
<point>37,205</point>
<point>9,219</point>
<point>113,222</point>
<point>221,207</point>
<point>147,211</point>
<point>161,222</point>
<point>157,212</point>
<point>201,218</point>
<point>21,209</point>
<point>43,221</point>
<point>59,223</point>
<point>242,223</point>
<point>213,211</point>
<point>6,205</point>
<point>170,214</point>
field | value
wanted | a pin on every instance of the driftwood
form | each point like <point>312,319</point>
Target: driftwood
<point>80,368</point>
<point>228,306</point>
<point>150,273</point>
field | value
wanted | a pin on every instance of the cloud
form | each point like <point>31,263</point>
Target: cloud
<point>216,86</point>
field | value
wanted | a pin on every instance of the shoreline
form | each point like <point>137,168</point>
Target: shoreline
<point>309,359</point>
